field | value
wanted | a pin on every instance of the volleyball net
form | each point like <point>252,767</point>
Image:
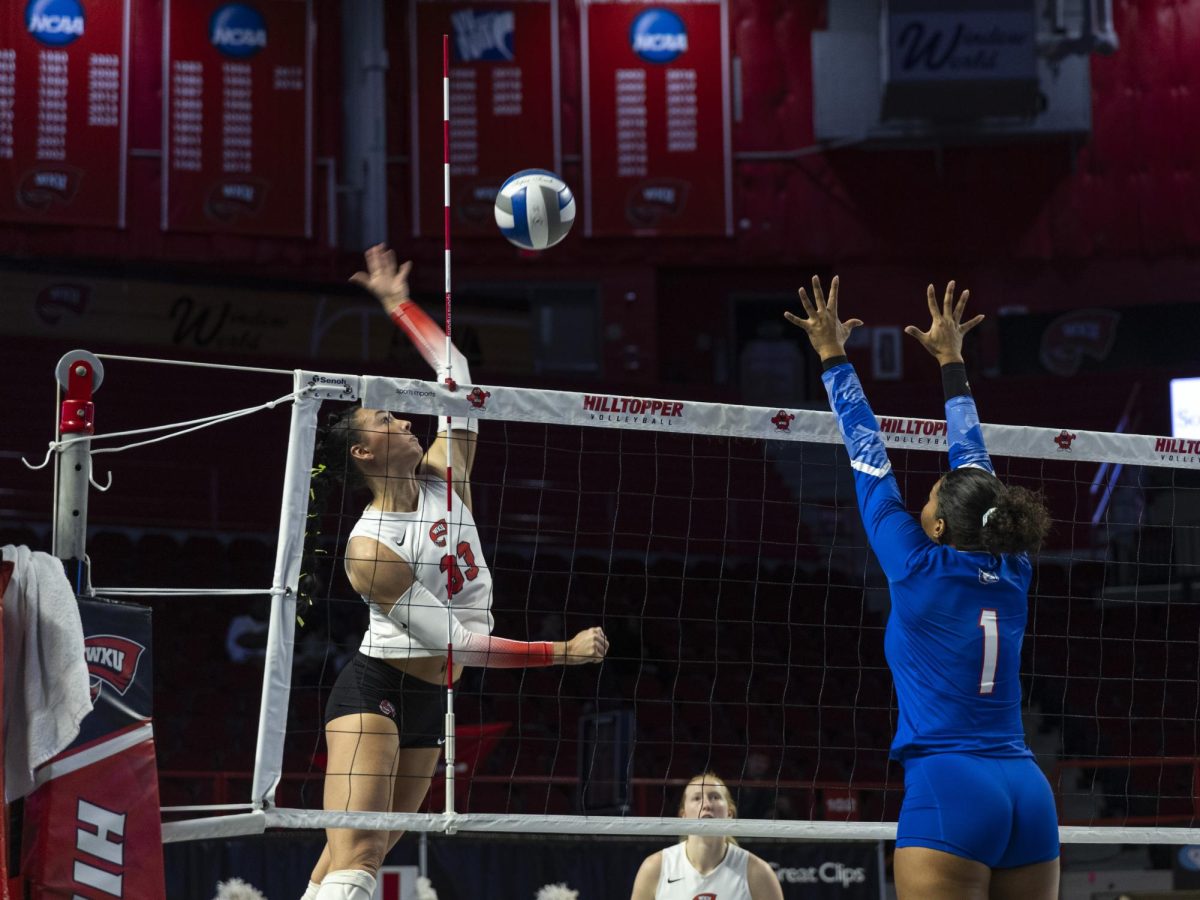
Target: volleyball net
<point>721,549</point>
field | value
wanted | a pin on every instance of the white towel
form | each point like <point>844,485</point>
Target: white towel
<point>46,691</point>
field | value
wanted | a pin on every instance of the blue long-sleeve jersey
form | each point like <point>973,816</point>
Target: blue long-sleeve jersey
<point>953,639</point>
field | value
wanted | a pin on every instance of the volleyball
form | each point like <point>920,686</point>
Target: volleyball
<point>534,209</point>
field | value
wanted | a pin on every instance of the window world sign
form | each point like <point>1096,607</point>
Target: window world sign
<point>967,63</point>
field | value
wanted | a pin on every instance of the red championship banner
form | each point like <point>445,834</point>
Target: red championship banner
<point>656,118</point>
<point>64,101</point>
<point>504,104</point>
<point>237,117</point>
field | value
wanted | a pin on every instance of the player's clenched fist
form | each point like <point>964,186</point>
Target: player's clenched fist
<point>589,646</point>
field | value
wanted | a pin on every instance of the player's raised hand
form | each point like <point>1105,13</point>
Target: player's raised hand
<point>825,331</point>
<point>384,277</point>
<point>944,338</point>
<point>589,646</point>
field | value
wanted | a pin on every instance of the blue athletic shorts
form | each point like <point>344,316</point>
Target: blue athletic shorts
<point>993,809</point>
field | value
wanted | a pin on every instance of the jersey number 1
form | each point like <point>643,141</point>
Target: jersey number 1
<point>456,576</point>
<point>991,646</point>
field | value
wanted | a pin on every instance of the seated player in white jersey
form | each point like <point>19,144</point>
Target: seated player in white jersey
<point>715,868</point>
<point>978,821</point>
<point>420,568</point>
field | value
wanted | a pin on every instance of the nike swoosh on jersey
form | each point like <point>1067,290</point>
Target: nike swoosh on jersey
<point>400,540</point>
<point>673,880</point>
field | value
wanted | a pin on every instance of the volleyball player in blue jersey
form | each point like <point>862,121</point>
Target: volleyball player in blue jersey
<point>978,818</point>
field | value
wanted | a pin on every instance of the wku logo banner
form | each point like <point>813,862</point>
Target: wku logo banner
<point>1078,334</point>
<point>112,660</point>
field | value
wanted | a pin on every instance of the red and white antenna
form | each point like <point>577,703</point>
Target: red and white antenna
<point>449,421</point>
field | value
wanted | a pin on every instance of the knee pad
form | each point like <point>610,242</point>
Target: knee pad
<point>347,884</point>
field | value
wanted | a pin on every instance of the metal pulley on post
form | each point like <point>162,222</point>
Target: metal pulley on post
<point>79,374</point>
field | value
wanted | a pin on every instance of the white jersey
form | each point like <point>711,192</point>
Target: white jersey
<point>679,879</point>
<point>445,554</point>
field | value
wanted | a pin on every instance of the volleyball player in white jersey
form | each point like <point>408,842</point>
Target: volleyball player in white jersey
<point>421,570</point>
<point>714,868</point>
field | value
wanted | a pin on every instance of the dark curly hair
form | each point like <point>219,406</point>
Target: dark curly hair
<point>1018,521</point>
<point>332,467</point>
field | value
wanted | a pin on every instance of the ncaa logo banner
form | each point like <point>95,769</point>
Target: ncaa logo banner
<point>237,30</point>
<point>237,114</point>
<point>657,122</point>
<point>54,23</point>
<point>64,111</point>
<point>658,36</point>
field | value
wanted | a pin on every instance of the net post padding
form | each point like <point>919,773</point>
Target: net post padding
<point>237,825</point>
<point>311,388</point>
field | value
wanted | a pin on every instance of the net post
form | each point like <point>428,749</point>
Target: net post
<point>293,512</point>
<point>80,374</point>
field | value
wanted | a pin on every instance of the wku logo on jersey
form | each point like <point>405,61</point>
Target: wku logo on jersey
<point>437,532</point>
<point>705,897</point>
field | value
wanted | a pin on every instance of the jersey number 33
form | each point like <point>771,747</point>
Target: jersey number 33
<point>458,575</point>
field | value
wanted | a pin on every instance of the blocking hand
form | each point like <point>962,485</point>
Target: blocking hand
<point>944,338</point>
<point>825,331</point>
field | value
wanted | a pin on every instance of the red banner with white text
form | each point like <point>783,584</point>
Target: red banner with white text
<point>656,113</point>
<point>504,104</point>
<point>64,101</point>
<point>95,832</point>
<point>237,117</point>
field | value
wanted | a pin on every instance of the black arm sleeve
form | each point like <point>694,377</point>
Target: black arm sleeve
<point>954,380</point>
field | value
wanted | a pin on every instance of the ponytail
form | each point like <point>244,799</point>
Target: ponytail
<point>1018,523</point>
<point>981,513</point>
<point>331,467</point>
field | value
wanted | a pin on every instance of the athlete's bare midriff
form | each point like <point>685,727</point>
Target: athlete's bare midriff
<point>425,668</point>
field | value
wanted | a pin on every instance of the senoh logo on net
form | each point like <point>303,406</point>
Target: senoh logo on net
<point>237,30</point>
<point>658,36</point>
<point>55,23</point>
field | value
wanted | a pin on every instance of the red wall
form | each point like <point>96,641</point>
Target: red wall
<point>1131,192</point>
<point>1043,225</point>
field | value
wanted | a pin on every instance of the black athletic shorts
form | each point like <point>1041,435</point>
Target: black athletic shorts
<point>369,685</point>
